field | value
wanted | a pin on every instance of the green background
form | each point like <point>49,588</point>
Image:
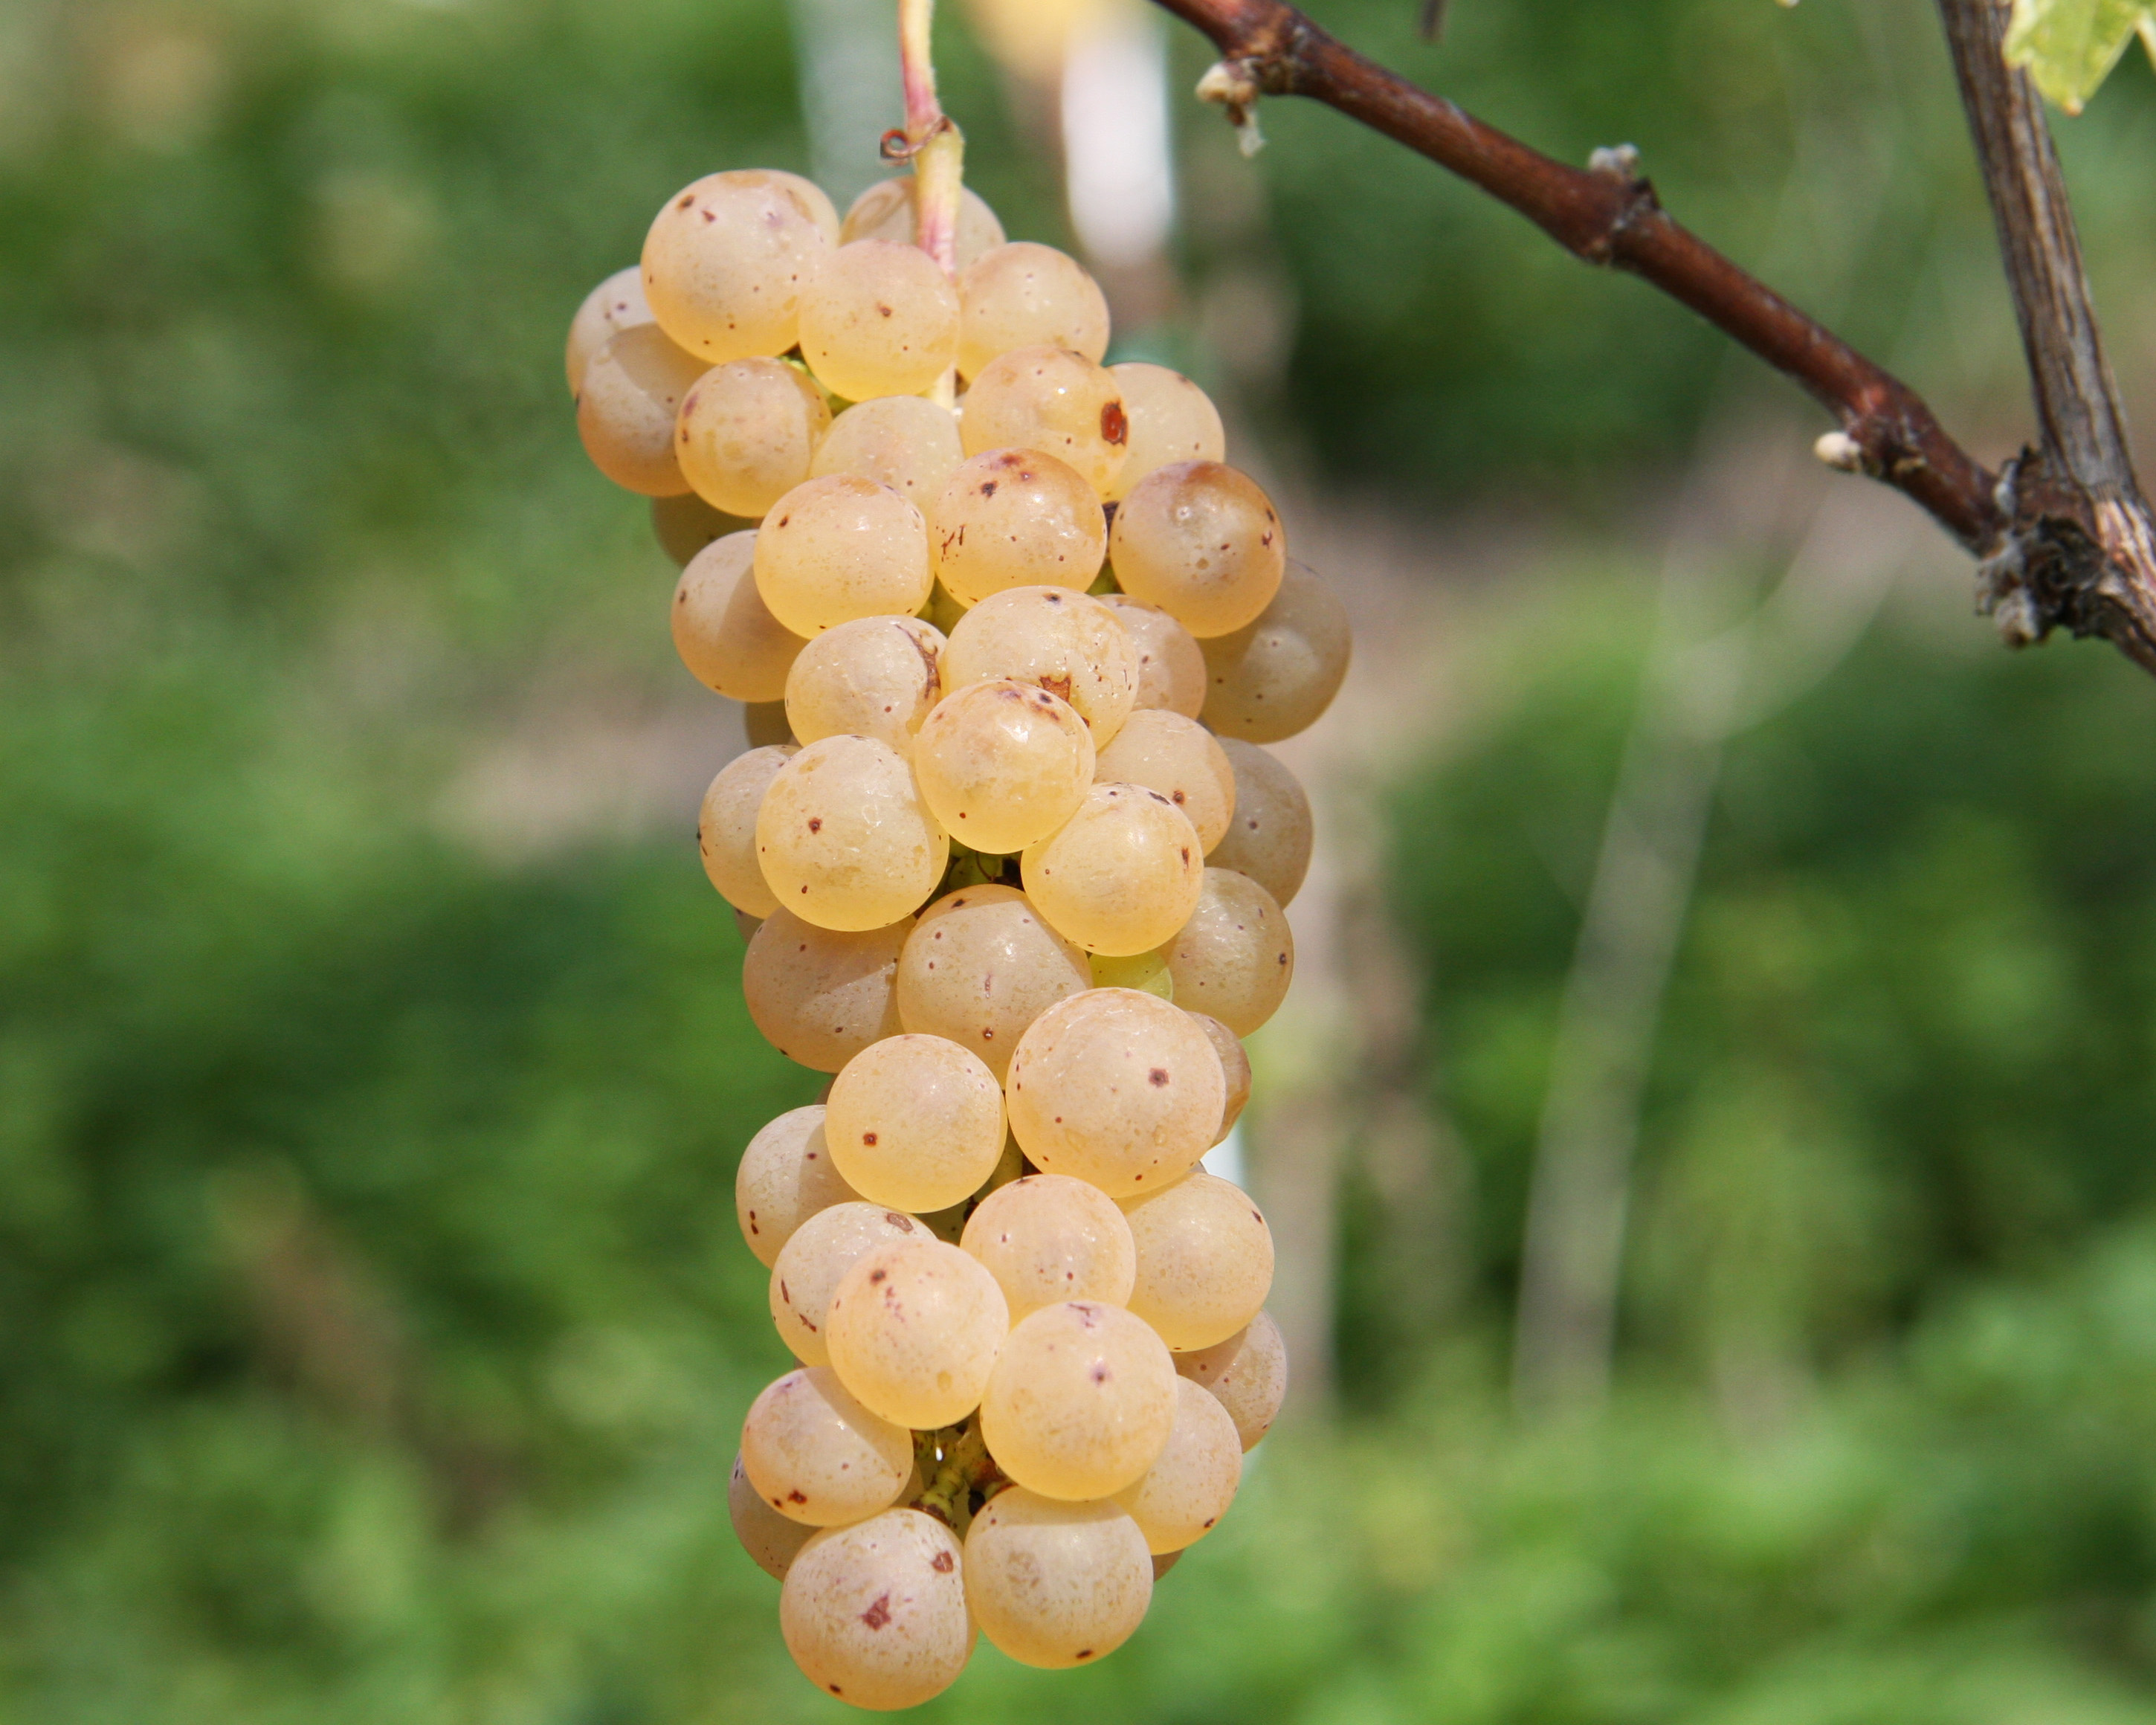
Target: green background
<point>374,1327</point>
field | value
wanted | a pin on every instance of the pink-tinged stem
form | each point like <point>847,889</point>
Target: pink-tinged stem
<point>937,147</point>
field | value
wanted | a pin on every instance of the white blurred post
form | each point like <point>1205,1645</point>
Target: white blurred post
<point>1119,167</point>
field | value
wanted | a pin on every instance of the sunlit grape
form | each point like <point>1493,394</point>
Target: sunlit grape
<point>747,431</point>
<point>1056,1584</point>
<point>879,317</point>
<point>1051,400</point>
<point>875,676</point>
<point>615,304</point>
<point>843,839</point>
<point>913,1329</point>
<point>1170,670</point>
<point>1269,838</point>
<point>633,386</point>
<point>1200,541</point>
<point>1184,1495</point>
<point>1068,644</point>
<point>1205,1261</point>
<point>1177,758</point>
<point>816,1455</point>
<point>1235,957</point>
<point>1024,295</point>
<point>1247,1374</point>
<point>886,211</point>
<point>1010,518</point>
<point>1003,764</point>
<point>916,1123</point>
<point>786,1176</point>
<point>1081,1401</point>
<point>727,257</point>
<point>724,632</point>
<point>1171,419</point>
<point>875,1614</point>
<point>821,995</point>
<point>725,828</point>
<point>980,966</point>
<point>1276,676</point>
<point>906,442</point>
<point>1122,875</point>
<point>1048,1238</point>
<point>815,1260</point>
<point>839,547</point>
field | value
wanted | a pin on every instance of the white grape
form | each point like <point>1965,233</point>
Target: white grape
<point>1048,1238</point>
<point>1235,1068</point>
<point>1068,644</point>
<point>725,829</point>
<point>1205,1261</point>
<point>1056,1584</point>
<point>771,1540</point>
<point>747,433</point>
<point>1003,764</point>
<point>1171,669</point>
<point>786,1176</point>
<point>1081,1400</point>
<point>1025,296</point>
<point>1184,1495</point>
<point>875,676</point>
<point>727,257</point>
<point>913,1329</point>
<point>839,547</point>
<point>843,839</point>
<point>875,1614</point>
<point>815,1260</point>
<point>879,318</point>
<point>886,211</point>
<point>1270,835</point>
<point>821,995</point>
<point>1235,957</point>
<point>980,966</point>
<point>1276,676</point>
<point>906,442</point>
<point>1171,419</point>
<point>1118,1088</point>
<point>1247,1374</point>
<point>723,630</point>
<point>1200,541</point>
<point>1054,401</point>
<point>633,388</point>
<point>817,1457</point>
<point>916,1123</point>
<point>1179,758</point>
<point>1122,875</point>
<point>615,304</point>
<point>1008,518</point>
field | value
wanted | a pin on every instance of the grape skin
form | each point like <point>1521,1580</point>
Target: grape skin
<point>1003,764</point>
<point>1205,1261</point>
<point>841,547</point>
<point>786,1176</point>
<point>1184,1494</point>
<point>1200,541</point>
<point>1068,644</point>
<point>1247,1374</point>
<point>747,433</point>
<point>843,839</point>
<point>879,318</point>
<point>886,211</point>
<point>1171,669</point>
<point>1235,957</point>
<point>815,1260</point>
<point>1177,758</point>
<point>875,676</point>
<point>1122,875</point>
<point>1235,1068</point>
<point>631,390</point>
<point>817,1457</point>
<point>1023,295</point>
<point>1275,677</point>
<point>1171,419</point>
<point>913,1331</point>
<point>906,442</point>
<point>725,829</point>
<point>821,995</point>
<point>1081,1401</point>
<point>1116,1088</point>
<point>1012,518</point>
<point>615,304</point>
<point>916,1123</point>
<point>1054,401</point>
<point>1270,836</point>
<point>875,1614</point>
<point>1048,1238</point>
<point>980,966</point>
<point>1056,1584</point>
<point>727,256</point>
<point>724,632</point>
<point>772,1541</point>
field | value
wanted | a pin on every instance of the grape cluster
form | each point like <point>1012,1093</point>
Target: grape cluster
<point>1013,865</point>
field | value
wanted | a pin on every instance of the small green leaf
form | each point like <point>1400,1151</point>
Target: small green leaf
<point>2070,46</point>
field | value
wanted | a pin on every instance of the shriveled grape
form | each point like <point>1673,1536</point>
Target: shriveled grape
<point>1118,1088</point>
<point>1054,401</point>
<point>980,966</point>
<point>839,547</point>
<point>821,995</point>
<point>724,632</point>
<point>1122,875</point>
<point>1010,518</point>
<point>1205,1261</point>
<point>1277,676</point>
<point>1003,764</point>
<point>747,433</point>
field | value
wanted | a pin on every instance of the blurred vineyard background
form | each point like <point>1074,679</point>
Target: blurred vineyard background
<point>373,1328</point>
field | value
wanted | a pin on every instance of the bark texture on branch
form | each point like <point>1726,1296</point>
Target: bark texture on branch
<point>2065,538</point>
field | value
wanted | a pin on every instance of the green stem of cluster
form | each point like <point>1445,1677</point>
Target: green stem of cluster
<point>955,1465</point>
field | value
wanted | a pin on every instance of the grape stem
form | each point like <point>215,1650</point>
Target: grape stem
<point>934,145</point>
<point>2065,537</point>
<point>955,1465</point>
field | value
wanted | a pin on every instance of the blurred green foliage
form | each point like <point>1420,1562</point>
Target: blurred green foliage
<point>374,1331</point>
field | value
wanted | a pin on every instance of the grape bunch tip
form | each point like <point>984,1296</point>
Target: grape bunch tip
<point>1012,863</point>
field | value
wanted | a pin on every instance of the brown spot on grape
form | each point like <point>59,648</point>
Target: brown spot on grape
<point>868,1137</point>
<point>903,1224</point>
<point>1178,797</point>
<point>1084,1653</point>
<point>1115,424</point>
<point>707,215</point>
<point>878,1615</point>
<point>795,1497</point>
<point>816,823</point>
<point>988,487</point>
<point>686,200</point>
<point>877,1275</point>
<point>942,1563</point>
<point>884,310</point>
<point>782,1293</point>
<point>1158,1077</point>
